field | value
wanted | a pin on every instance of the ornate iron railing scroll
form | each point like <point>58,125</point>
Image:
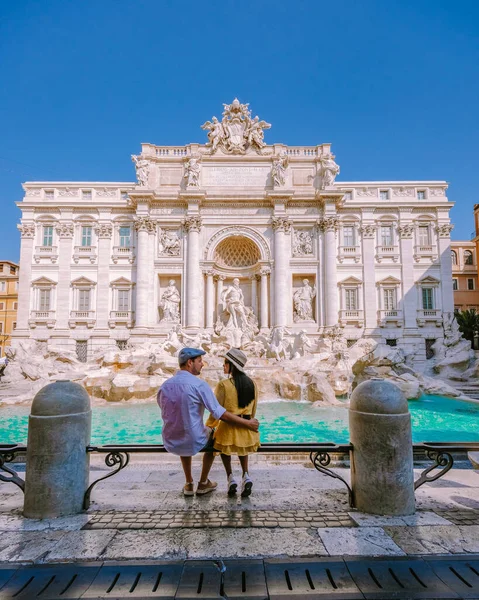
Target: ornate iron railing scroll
<point>7,454</point>
<point>440,453</point>
<point>116,459</point>
<point>322,459</point>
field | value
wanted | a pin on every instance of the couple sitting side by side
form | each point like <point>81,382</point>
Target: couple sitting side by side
<point>231,428</point>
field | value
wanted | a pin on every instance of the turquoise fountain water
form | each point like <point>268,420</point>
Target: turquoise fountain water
<point>434,418</point>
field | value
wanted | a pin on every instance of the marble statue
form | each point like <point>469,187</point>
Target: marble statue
<point>301,345</point>
<point>302,243</point>
<point>192,172</point>
<point>142,169</point>
<point>169,244</point>
<point>452,335</point>
<point>303,302</point>
<point>170,303</point>
<point>278,347</point>
<point>173,344</point>
<point>233,302</point>
<point>216,133</point>
<point>278,170</point>
<point>255,133</point>
<point>237,131</point>
<point>329,170</point>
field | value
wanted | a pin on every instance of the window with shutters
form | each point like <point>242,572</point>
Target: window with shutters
<point>44,299</point>
<point>427,298</point>
<point>86,235</point>
<point>124,300</point>
<point>351,296</point>
<point>48,235</point>
<point>348,235</point>
<point>389,299</point>
<point>83,300</point>
<point>125,236</point>
<point>423,235</point>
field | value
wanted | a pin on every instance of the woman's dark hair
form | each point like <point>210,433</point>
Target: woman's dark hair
<point>244,385</point>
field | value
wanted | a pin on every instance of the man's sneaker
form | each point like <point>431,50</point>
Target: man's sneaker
<point>246,486</point>
<point>206,488</point>
<point>189,489</point>
<point>232,485</point>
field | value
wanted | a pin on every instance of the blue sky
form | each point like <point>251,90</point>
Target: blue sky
<point>393,85</point>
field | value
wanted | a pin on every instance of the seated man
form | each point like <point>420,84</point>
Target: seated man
<point>182,400</point>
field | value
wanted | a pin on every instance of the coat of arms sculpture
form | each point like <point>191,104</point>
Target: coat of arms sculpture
<point>237,131</point>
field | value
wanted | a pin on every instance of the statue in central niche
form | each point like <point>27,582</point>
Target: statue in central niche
<point>237,323</point>
<point>233,302</point>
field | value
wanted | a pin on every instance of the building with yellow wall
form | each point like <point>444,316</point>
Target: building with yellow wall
<point>8,302</point>
<point>464,275</point>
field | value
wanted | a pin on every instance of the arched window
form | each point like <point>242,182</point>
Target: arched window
<point>468,258</point>
<point>453,257</point>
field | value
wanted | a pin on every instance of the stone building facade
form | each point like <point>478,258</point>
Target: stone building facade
<point>464,275</point>
<point>8,302</point>
<point>233,237</point>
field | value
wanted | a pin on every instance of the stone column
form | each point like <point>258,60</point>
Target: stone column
<point>27,231</point>
<point>264,299</point>
<point>329,227</point>
<point>193,226</point>
<point>143,226</point>
<point>65,234</point>
<point>409,300</point>
<point>210,294</point>
<point>254,294</point>
<point>368,233</point>
<point>219,290</point>
<point>152,289</point>
<point>444,249</point>
<point>281,228</point>
<point>103,233</point>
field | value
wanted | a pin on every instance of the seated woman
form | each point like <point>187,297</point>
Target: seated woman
<point>238,395</point>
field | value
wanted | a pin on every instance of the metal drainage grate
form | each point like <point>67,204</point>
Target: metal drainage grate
<point>459,573</point>
<point>49,582</point>
<point>313,578</point>
<point>232,579</point>
<point>399,578</point>
<point>145,580</point>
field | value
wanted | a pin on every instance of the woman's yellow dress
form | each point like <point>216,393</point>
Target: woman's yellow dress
<point>230,438</point>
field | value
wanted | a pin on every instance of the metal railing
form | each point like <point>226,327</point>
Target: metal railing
<point>118,457</point>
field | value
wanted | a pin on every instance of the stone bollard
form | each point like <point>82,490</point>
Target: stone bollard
<point>58,465</point>
<point>382,476</point>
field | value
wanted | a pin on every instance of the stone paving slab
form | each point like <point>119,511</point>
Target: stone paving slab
<point>369,541</point>
<point>439,539</point>
<point>213,543</point>
<point>420,518</point>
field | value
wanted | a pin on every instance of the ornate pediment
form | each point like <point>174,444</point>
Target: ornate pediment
<point>121,281</point>
<point>350,281</point>
<point>44,281</point>
<point>82,281</point>
<point>237,132</point>
<point>428,279</point>
<point>389,281</point>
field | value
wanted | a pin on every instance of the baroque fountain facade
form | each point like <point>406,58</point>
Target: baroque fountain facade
<point>236,243</point>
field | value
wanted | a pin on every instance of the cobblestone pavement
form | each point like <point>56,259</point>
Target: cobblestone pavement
<point>163,519</point>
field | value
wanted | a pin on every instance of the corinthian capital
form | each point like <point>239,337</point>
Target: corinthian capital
<point>444,231</point>
<point>328,224</point>
<point>192,223</point>
<point>368,231</point>
<point>406,231</point>
<point>27,230</point>
<point>281,224</point>
<point>64,230</point>
<point>104,230</point>
<point>145,224</point>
